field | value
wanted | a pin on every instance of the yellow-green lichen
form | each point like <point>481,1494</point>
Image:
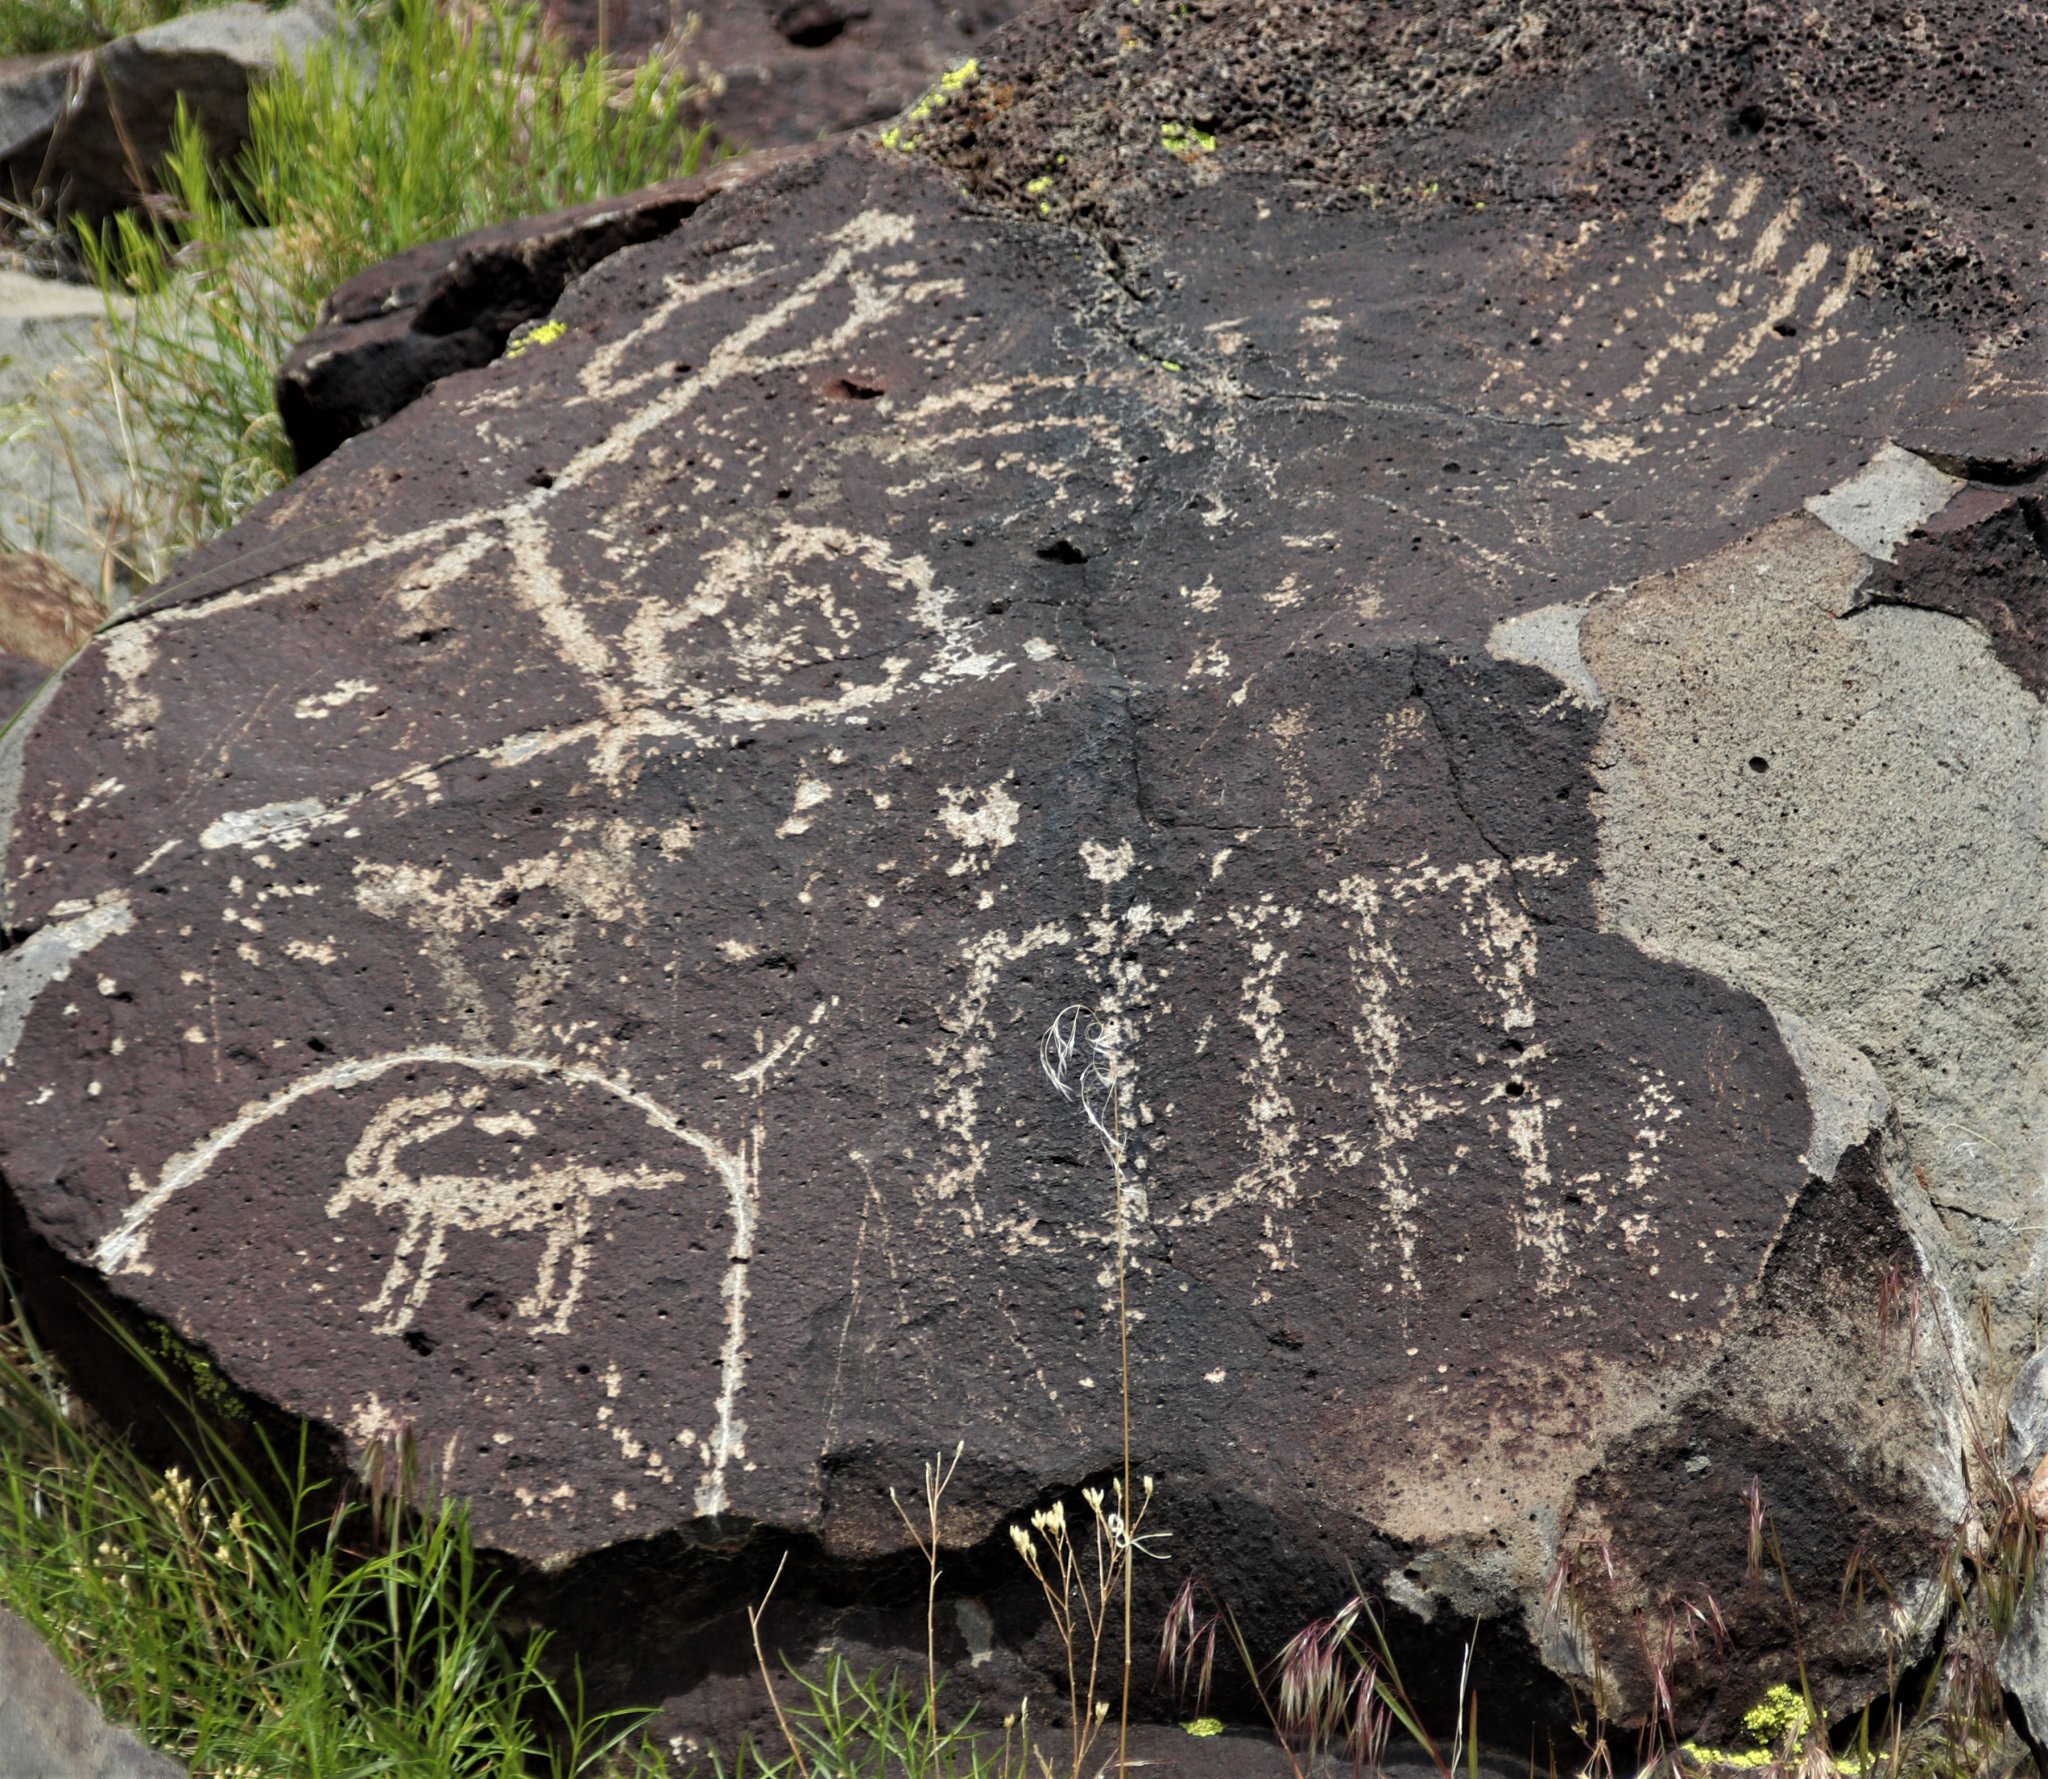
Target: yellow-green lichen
<point>1184,140</point>
<point>1781,1713</point>
<point>210,1390</point>
<point>954,80</point>
<point>1780,1721</point>
<point>1725,1757</point>
<point>546,334</point>
<point>1204,1726</point>
<point>1038,187</point>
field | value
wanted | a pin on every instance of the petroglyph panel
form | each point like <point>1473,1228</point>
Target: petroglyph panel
<point>569,897</point>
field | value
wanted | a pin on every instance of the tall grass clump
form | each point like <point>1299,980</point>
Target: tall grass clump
<point>252,1619</point>
<point>417,122</point>
<point>40,27</point>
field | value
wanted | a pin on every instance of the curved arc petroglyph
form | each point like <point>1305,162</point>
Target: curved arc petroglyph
<point>737,1167</point>
<point>122,1248</point>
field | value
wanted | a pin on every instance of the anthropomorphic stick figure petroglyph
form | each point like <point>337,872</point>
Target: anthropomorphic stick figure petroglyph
<point>553,1201</point>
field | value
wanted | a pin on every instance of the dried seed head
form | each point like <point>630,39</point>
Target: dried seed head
<point>1081,1054</point>
<point>1025,1548</point>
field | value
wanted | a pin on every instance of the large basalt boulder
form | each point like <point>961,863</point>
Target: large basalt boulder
<point>1448,572</point>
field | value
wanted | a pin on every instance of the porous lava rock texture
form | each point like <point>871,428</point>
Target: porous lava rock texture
<point>1466,576</point>
<point>789,71</point>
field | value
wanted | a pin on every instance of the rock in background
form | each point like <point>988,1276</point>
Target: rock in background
<point>56,492</point>
<point>53,489</point>
<point>84,134</point>
<point>1464,574</point>
<point>387,336</point>
<point>51,1730</point>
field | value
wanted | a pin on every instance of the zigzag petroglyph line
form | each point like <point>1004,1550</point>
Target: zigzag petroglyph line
<point>516,521</point>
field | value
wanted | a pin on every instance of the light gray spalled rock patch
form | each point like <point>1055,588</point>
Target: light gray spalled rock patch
<point>1880,506</point>
<point>51,1730</point>
<point>1848,1100</point>
<point>46,956</point>
<point>1549,638</point>
<point>2023,1663</point>
<point>2026,1415</point>
<point>1844,816</point>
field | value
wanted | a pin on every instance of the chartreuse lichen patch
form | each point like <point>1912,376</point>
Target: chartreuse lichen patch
<point>902,137</point>
<point>545,333</point>
<point>1185,141</point>
<point>1204,1726</point>
<point>1045,185</point>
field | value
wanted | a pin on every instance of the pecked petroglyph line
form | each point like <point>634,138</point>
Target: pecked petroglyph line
<point>1377,973</point>
<point>122,1248</point>
<point>1693,333</point>
<point>517,522</point>
<point>1501,945</point>
<point>600,375</point>
<point>729,1433</point>
<point>558,1203</point>
<point>1271,1127</point>
<point>704,720</point>
<point>960,1061</point>
<point>736,1165</point>
<point>1709,293</point>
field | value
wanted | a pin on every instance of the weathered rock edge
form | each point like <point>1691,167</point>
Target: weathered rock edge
<point>389,334</point>
<point>49,1729</point>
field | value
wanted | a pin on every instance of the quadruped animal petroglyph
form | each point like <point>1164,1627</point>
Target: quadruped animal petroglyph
<point>556,1202</point>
